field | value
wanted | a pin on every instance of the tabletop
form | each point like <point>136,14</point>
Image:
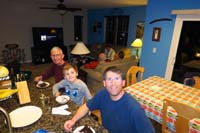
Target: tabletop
<point>151,92</point>
<point>48,121</point>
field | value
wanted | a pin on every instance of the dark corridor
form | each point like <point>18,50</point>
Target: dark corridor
<point>188,49</point>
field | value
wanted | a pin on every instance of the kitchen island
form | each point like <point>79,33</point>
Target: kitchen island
<point>44,99</point>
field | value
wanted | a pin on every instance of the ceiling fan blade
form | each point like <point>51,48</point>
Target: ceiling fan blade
<point>73,9</point>
<point>48,8</point>
<point>62,7</point>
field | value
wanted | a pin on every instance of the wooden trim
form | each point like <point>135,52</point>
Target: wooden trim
<point>190,12</point>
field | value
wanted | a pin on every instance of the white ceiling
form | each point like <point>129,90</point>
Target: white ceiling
<point>90,4</point>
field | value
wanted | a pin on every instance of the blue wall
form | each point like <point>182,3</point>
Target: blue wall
<point>156,63</point>
<point>136,14</point>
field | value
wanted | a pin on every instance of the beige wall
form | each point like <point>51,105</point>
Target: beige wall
<point>18,18</point>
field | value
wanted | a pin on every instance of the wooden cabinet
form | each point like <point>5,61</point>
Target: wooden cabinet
<point>41,55</point>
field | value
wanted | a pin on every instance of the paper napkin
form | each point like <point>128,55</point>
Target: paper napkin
<point>63,107</point>
<point>61,110</point>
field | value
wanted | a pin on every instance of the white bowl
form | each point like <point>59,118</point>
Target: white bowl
<point>62,99</point>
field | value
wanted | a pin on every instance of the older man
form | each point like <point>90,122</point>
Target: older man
<point>56,68</point>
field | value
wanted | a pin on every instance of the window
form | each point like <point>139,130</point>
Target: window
<point>78,28</point>
<point>117,30</point>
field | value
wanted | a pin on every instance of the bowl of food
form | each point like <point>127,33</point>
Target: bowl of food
<point>62,99</point>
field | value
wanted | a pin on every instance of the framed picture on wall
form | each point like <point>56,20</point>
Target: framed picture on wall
<point>140,30</point>
<point>156,34</point>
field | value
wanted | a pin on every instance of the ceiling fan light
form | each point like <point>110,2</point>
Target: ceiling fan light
<point>61,6</point>
<point>62,12</point>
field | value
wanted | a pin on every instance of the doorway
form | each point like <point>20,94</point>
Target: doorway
<point>185,16</point>
<point>189,45</point>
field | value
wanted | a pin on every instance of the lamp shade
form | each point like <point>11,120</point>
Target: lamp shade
<point>80,49</point>
<point>137,43</point>
<point>3,71</point>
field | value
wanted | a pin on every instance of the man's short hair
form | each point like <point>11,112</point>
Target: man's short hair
<point>107,46</point>
<point>68,66</point>
<point>113,69</point>
<point>56,48</point>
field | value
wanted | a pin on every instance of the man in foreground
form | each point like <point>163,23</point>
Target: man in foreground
<point>120,112</point>
<point>55,69</point>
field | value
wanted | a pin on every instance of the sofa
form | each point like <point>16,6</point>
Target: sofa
<point>94,75</point>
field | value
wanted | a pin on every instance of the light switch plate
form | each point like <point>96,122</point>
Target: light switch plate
<point>154,50</point>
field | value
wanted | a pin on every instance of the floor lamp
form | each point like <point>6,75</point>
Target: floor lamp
<point>137,43</point>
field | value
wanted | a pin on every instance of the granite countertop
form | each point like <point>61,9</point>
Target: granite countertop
<point>49,122</point>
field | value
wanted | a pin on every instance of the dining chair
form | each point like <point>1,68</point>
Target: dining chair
<point>197,82</point>
<point>192,79</point>
<point>184,114</point>
<point>132,73</point>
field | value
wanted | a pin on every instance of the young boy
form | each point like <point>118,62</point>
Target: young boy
<point>75,88</point>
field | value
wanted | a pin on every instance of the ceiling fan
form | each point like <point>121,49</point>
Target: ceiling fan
<point>62,8</point>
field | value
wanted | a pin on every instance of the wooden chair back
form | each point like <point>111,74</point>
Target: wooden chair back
<point>197,82</point>
<point>184,114</point>
<point>131,75</point>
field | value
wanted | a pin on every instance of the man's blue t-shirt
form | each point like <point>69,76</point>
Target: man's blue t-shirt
<point>122,116</point>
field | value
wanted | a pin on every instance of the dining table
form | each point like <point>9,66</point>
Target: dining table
<point>151,92</point>
<point>52,123</point>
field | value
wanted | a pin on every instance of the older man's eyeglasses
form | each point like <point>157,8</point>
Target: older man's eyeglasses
<point>56,55</point>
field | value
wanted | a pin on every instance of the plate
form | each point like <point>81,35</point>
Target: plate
<point>7,93</point>
<point>2,99</point>
<point>62,99</point>
<point>80,128</point>
<point>38,84</point>
<point>25,116</point>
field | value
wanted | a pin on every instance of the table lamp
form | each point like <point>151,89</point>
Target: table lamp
<point>80,49</point>
<point>137,43</point>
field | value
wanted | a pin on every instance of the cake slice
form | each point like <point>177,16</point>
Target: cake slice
<point>86,129</point>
